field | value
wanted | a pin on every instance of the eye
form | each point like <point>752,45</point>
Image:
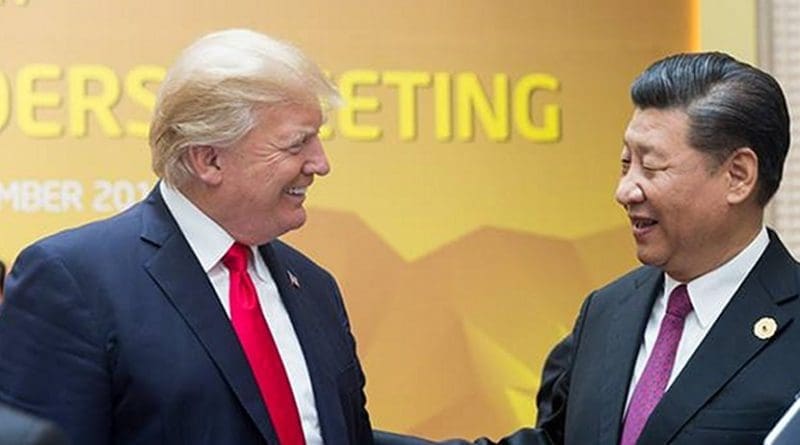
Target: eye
<point>296,147</point>
<point>299,144</point>
<point>626,165</point>
<point>650,168</point>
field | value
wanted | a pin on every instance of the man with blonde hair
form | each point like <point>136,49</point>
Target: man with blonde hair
<point>184,319</point>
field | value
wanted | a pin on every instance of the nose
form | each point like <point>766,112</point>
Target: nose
<point>628,191</point>
<point>316,162</point>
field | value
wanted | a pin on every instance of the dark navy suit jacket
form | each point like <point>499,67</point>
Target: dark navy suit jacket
<point>114,332</point>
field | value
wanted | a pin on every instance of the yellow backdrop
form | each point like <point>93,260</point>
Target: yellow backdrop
<point>470,207</point>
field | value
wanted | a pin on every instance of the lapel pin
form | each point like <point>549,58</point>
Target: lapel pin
<point>293,279</point>
<point>765,328</point>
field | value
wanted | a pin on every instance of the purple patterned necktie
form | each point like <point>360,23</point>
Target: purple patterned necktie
<point>656,373</point>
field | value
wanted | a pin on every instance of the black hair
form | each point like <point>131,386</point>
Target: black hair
<point>730,105</point>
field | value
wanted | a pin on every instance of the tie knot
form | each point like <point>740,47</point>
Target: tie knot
<point>236,258</point>
<point>679,304</point>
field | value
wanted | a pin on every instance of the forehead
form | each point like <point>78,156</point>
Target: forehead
<point>657,130</point>
<point>288,118</point>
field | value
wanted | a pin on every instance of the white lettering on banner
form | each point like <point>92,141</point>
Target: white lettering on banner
<point>113,196</point>
<point>48,196</point>
<point>67,195</point>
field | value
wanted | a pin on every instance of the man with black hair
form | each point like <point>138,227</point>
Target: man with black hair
<point>699,345</point>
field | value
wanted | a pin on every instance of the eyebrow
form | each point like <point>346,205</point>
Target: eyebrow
<point>643,149</point>
<point>295,136</point>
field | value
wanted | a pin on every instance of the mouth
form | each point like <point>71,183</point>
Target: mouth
<point>299,192</point>
<point>642,226</point>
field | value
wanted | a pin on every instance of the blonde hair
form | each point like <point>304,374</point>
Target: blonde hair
<point>211,92</point>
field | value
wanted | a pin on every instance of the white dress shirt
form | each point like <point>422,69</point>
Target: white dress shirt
<point>210,242</point>
<point>709,294</point>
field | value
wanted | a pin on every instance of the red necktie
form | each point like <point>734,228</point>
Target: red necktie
<point>259,347</point>
<point>656,373</point>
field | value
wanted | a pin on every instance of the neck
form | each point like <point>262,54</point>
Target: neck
<point>739,234</point>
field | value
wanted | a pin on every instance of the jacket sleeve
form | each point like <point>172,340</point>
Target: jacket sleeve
<point>53,360</point>
<point>551,401</point>
<point>362,433</point>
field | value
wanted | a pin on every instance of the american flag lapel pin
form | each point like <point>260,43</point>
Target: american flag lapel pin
<point>293,279</point>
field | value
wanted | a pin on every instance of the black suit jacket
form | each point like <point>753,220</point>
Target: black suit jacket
<point>114,331</point>
<point>732,391</point>
<point>18,428</point>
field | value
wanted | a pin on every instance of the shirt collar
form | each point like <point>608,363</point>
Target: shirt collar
<point>207,239</point>
<point>711,292</point>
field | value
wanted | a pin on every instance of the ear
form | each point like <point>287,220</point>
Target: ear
<point>203,160</point>
<point>742,170</point>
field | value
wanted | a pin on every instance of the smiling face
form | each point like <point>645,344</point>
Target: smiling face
<point>265,176</point>
<point>675,196</point>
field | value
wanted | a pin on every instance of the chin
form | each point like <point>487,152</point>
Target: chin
<point>648,258</point>
<point>295,223</point>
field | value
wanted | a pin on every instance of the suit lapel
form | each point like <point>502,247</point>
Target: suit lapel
<point>729,345</point>
<point>303,310</point>
<point>622,346</point>
<point>177,272</point>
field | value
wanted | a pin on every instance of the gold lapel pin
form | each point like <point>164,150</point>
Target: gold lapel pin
<point>765,328</point>
<point>293,279</point>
